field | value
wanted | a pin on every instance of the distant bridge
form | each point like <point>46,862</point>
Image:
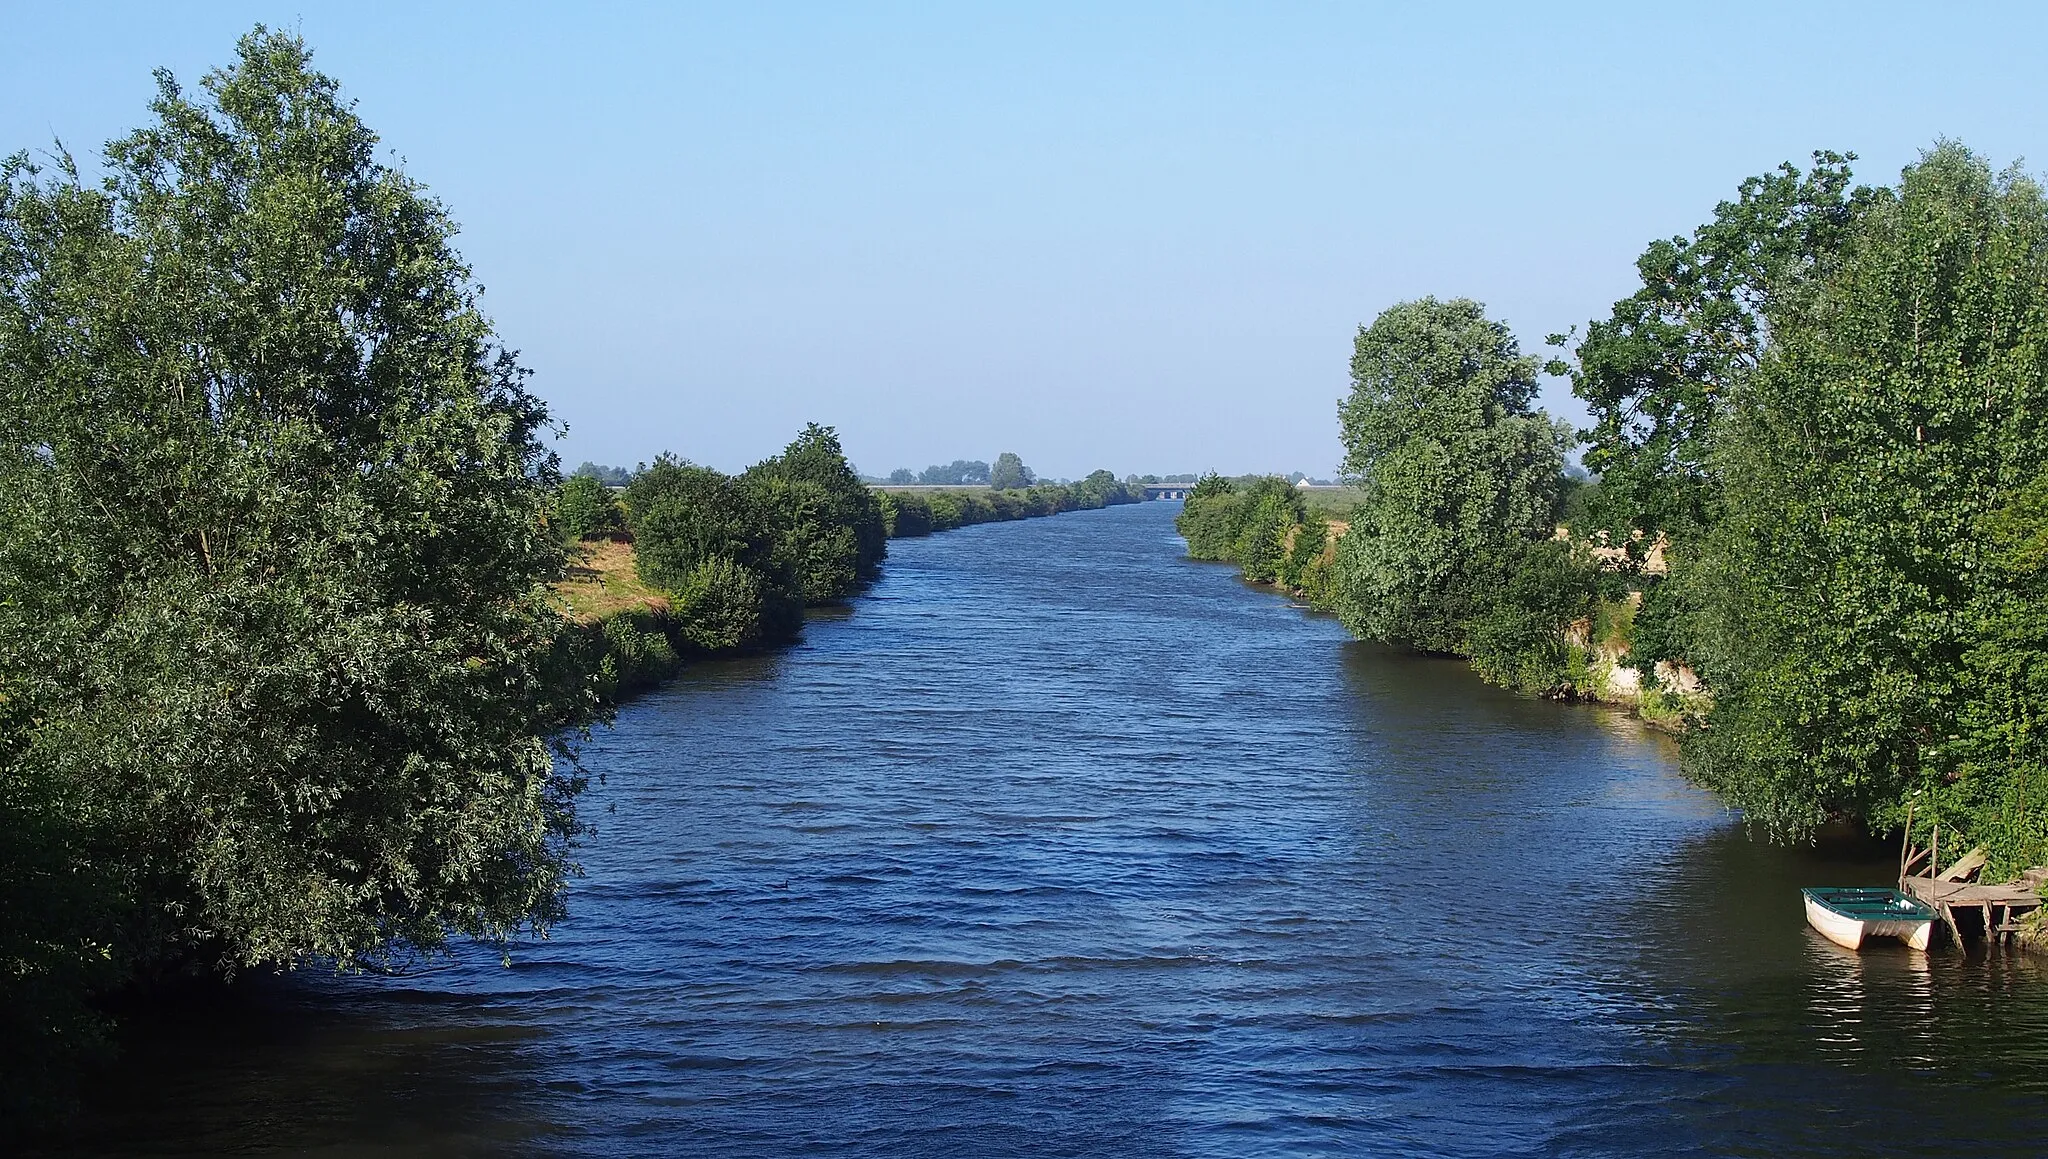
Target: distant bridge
<point>1169,490</point>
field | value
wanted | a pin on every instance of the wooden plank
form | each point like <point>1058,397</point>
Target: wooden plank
<point>1969,863</point>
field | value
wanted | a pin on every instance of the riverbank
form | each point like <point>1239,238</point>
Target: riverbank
<point>909,512</point>
<point>625,629</point>
<point>1284,540</point>
<point>1203,888</point>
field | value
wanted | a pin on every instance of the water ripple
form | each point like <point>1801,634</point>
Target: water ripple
<point>1060,844</point>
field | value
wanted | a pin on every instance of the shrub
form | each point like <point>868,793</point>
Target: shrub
<point>720,605</point>
<point>586,509</point>
<point>637,653</point>
<point>1531,595</point>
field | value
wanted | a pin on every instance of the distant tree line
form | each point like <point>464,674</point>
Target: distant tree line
<point>606,476</point>
<point>909,514</point>
<point>1008,474</point>
<point>959,473</point>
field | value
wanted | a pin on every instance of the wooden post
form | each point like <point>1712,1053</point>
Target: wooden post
<point>1948,918</point>
<point>1906,843</point>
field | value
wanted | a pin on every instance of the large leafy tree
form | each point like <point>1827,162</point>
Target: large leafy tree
<point>1902,403</point>
<point>275,629</point>
<point>1658,373</point>
<point>1457,465</point>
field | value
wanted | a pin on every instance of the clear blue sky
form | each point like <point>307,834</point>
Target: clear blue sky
<point>1138,236</point>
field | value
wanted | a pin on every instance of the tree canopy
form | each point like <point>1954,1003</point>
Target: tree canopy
<point>1010,473</point>
<point>830,532</point>
<point>1657,375</point>
<point>958,473</point>
<point>1861,588</point>
<point>587,509</point>
<point>1441,433</point>
<point>276,639</point>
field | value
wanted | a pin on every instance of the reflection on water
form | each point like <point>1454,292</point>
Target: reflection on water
<point>1059,844</point>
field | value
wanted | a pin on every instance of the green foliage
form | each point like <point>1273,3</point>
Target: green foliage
<point>947,510</point>
<point>906,516</point>
<point>958,473</point>
<point>1262,525</point>
<point>586,509</point>
<point>721,606</point>
<point>813,542</point>
<point>1861,644</point>
<point>1518,632</point>
<point>2000,790</point>
<point>1308,544</point>
<point>1657,374</point>
<point>682,515</point>
<point>1458,470</point>
<point>1671,623</point>
<point>277,649</point>
<point>1100,489</point>
<point>829,531</point>
<point>1212,525</point>
<point>741,557</point>
<point>1269,514</point>
<point>1010,473</point>
<point>609,476</point>
<point>637,653</point>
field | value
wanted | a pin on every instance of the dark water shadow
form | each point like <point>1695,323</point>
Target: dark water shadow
<point>289,1065</point>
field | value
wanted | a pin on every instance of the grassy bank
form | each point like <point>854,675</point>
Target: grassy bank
<point>628,632</point>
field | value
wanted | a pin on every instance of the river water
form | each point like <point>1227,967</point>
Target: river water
<point>1060,844</point>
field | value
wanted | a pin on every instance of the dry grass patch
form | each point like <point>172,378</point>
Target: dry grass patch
<point>604,581</point>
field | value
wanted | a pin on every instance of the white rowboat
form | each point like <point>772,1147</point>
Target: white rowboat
<point>1851,915</point>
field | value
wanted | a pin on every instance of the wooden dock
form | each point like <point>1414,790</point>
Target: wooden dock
<point>1991,912</point>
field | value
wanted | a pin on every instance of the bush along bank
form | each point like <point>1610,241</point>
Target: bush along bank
<point>690,562</point>
<point>1495,561</point>
<point>686,562</point>
<point>908,514</point>
<point>1263,525</point>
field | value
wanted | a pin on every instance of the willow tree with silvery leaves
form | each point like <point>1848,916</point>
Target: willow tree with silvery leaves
<point>277,651</point>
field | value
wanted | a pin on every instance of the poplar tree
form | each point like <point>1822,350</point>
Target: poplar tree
<point>1861,586</point>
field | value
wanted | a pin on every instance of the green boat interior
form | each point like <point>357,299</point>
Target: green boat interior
<point>1870,903</point>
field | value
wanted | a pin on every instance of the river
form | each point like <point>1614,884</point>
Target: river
<point>1057,843</point>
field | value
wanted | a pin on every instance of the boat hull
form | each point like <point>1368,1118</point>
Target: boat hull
<point>1853,932</point>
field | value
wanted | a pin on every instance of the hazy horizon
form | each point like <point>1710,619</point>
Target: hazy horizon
<point>1139,238</point>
